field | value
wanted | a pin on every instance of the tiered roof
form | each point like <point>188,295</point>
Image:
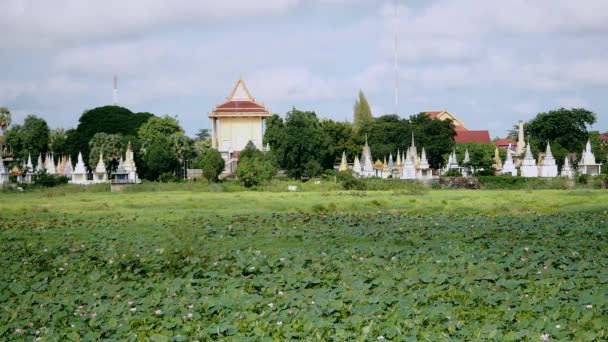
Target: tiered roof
<point>240,103</point>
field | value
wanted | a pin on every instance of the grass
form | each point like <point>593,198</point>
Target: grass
<point>434,265</point>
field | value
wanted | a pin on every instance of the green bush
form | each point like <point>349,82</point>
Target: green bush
<point>168,177</point>
<point>49,181</point>
<point>349,181</point>
<point>452,173</point>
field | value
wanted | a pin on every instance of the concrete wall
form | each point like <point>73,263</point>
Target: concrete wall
<point>235,133</point>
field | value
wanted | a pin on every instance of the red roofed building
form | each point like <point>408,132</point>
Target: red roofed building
<point>604,139</point>
<point>504,143</point>
<point>240,119</point>
<point>463,134</point>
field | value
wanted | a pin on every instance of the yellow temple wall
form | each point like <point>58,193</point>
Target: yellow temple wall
<point>235,133</point>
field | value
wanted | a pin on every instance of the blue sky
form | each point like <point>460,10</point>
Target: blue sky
<point>489,63</point>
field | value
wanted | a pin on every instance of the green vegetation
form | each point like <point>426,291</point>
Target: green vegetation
<point>212,165</point>
<point>254,167</point>
<point>462,265</point>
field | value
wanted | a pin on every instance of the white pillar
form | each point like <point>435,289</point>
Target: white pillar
<point>213,133</point>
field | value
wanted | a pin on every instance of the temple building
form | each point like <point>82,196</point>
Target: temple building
<point>463,134</point>
<point>236,122</point>
<point>567,170</point>
<point>126,172</point>
<point>100,174</point>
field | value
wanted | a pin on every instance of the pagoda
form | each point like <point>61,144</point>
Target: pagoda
<point>357,167</point>
<point>548,167</point>
<point>509,166</point>
<point>467,170</point>
<point>366,157</point>
<point>588,165</point>
<point>343,162</point>
<point>567,169</point>
<point>29,171</point>
<point>241,119</point>
<point>80,175</point>
<point>100,175</point>
<point>40,164</point>
<point>49,165</point>
<point>423,168</point>
<point>409,167</point>
<point>4,178</point>
<point>528,164</point>
<point>68,168</point>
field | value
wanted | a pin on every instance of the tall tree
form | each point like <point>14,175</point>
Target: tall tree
<point>30,138</point>
<point>110,146</point>
<point>58,143</point>
<point>159,158</point>
<point>297,141</point>
<point>164,126</point>
<point>341,138</point>
<point>212,165</point>
<point>5,118</point>
<point>106,119</point>
<point>255,167</point>
<point>362,113</point>
<point>565,129</point>
<point>202,134</point>
<point>437,136</point>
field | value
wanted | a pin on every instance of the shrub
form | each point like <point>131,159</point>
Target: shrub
<point>349,181</point>
<point>49,181</point>
<point>167,177</point>
<point>453,173</point>
<point>255,167</point>
<point>212,165</point>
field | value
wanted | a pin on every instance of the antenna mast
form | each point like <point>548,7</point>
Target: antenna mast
<point>396,61</point>
<point>115,94</point>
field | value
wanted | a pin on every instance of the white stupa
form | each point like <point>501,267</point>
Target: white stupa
<point>357,167</point>
<point>588,165</point>
<point>100,174</point>
<point>424,168</point>
<point>68,169</point>
<point>409,168</point>
<point>528,164</point>
<point>80,176</point>
<point>567,169</point>
<point>50,164</point>
<point>509,166</point>
<point>366,158</point>
<point>548,167</point>
<point>40,164</point>
<point>3,172</point>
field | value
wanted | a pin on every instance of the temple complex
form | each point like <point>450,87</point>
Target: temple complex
<point>236,122</point>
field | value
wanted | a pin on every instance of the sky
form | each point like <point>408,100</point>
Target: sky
<point>489,63</point>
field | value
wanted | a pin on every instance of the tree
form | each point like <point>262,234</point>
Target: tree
<point>203,134</point>
<point>58,141</point>
<point>341,138</point>
<point>481,155</point>
<point>564,129</point>
<point>106,119</point>
<point>5,119</point>
<point>30,138</point>
<point>297,141</point>
<point>155,126</point>
<point>159,158</point>
<point>255,167</point>
<point>362,113</point>
<point>110,146</point>
<point>437,136</point>
<point>212,164</point>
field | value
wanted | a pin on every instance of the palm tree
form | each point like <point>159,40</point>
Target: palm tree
<point>5,119</point>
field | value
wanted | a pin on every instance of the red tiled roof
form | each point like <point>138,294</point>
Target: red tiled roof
<point>603,137</point>
<point>463,137</point>
<point>432,115</point>
<point>240,107</point>
<point>505,142</point>
<point>460,128</point>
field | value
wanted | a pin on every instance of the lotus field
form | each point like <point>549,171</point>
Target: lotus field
<point>253,266</point>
